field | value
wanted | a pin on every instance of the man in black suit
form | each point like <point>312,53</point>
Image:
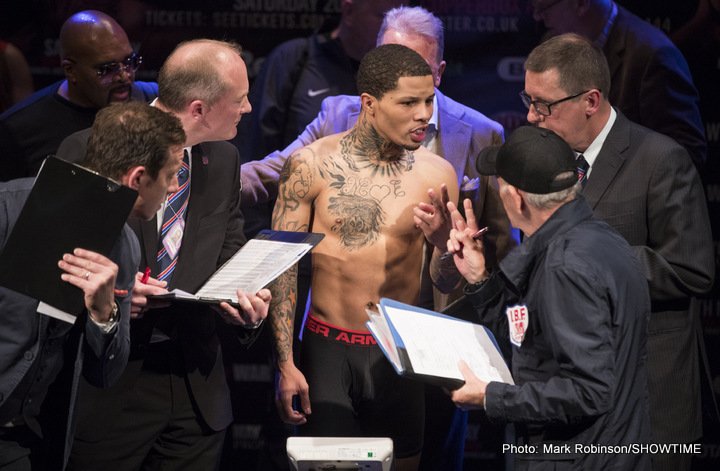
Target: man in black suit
<point>644,185</point>
<point>172,405</point>
<point>651,81</point>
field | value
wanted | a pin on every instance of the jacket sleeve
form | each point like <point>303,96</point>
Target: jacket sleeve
<point>678,259</point>
<point>234,234</point>
<point>106,354</point>
<point>260,177</point>
<point>499,239</point>
<point>234,239</point>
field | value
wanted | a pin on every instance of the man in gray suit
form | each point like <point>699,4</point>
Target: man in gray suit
<point>645,185</point>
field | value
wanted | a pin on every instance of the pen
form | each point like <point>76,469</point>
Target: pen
<point>475,236</point>
<point>145,276</point>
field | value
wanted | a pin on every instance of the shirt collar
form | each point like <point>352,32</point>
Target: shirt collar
<point>593,149</point>
<point>434,117</point>
<point>431,141</point>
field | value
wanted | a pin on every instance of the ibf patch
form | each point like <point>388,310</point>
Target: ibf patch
<point>518,318</point>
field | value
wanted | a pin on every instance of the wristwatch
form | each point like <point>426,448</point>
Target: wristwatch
<point>108,325</point>
<point>254,326</point>
<point>114,313</point>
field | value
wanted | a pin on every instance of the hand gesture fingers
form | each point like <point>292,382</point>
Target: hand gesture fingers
<point>95,275</point>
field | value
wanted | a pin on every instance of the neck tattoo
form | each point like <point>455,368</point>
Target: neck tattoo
<point>386,168</point>
<point>365,149</point>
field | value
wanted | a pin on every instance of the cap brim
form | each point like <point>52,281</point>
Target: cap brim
<point>486,161</point>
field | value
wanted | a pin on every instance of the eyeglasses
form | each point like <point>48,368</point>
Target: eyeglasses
<point>543,107</point>
<point>111,69</point>
<point>539,8</point>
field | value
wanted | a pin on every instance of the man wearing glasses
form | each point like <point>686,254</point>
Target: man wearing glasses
<point>99,66</point>
<point>645,185</point>
<point>651,81</point>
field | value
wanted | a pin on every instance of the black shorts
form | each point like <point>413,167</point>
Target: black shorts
<point>354,390</point>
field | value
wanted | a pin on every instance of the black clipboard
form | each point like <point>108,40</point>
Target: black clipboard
<point>68,207</point>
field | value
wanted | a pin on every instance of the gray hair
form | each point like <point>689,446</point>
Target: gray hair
<point>551,200</point>
<point>414,20</point>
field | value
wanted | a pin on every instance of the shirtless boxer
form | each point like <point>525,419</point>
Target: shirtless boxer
<point>359,188</point>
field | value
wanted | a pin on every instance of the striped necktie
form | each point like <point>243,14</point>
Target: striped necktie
<point>582,168</point>
<point>173,225</point>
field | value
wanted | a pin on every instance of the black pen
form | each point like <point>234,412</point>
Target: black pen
<point>475,236</point>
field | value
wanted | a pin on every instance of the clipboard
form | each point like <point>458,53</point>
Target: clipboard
<point>312,238</point>
<point>426,345</point>
<point>251,268</point>
<point>68,207</point>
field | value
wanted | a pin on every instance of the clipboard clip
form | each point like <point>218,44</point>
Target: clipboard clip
<point>113,186</point>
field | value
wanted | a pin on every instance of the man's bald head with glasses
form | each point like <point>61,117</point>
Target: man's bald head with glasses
<point>98,60</point>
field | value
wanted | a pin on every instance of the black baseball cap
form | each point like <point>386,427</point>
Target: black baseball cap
<point>530,160</point>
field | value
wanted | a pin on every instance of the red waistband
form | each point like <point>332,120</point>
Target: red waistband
<point>339,334</point>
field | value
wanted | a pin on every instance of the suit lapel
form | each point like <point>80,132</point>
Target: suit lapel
<point>608,162</point>
<point>454,136</point>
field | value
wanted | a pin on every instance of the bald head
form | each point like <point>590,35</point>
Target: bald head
<point>198,70</point>
<point>205,83</point>
<point>85,31</point>
<point>90,41</point>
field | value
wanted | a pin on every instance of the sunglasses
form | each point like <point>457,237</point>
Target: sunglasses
<point>111,69</point>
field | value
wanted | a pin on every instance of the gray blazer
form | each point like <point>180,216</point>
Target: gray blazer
<point>645,185</point>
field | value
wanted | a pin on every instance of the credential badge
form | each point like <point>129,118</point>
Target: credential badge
<point>518,318</point>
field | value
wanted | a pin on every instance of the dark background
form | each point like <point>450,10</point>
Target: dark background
<point>486,43</point>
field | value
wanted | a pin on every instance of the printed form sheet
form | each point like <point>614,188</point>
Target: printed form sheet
<point>253,267</point>
<point>435,345</point>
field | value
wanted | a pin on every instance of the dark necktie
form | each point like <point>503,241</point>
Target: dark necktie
<point>582,168</point>
<point>173,225</point>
